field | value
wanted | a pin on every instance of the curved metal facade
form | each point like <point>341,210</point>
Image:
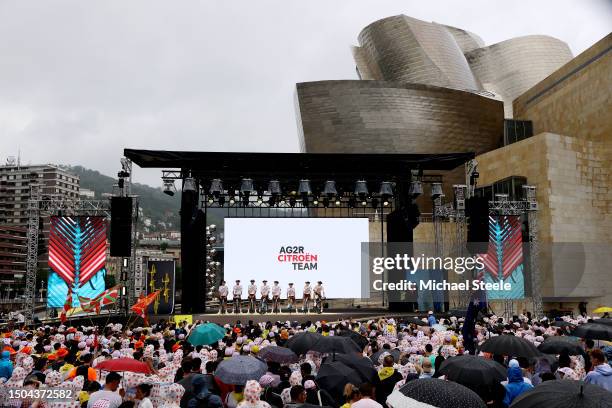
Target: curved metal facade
<point>511,67</point>
<point>382,117</point>
<point>407,50</point>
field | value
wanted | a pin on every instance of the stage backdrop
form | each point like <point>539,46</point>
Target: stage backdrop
<point>160,276</point>
<point>296,250</point>
<point>77,256</point>
<point>504,260</point>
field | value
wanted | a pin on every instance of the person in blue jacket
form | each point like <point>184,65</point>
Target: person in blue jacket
<point>431,319</point>
<point>6,366</point>
<point>516,384</point>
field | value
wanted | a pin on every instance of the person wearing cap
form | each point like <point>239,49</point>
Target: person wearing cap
<point>237,293</point>
<point>264,291</point>
<point>223,297</point>
<point>252,293</point>
<point>276,292</point>
<point>431,319</point>
<point>319,296</point>
<point>290,297</point>
<point>306,297</point>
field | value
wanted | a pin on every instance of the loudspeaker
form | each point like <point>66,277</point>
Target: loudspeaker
<point>477,212</point>
<point>121,226</point>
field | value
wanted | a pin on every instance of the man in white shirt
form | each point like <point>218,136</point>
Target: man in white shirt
<point>290,297</point>
<point>265,291</point>
<point>367,397</point>
<point>223,291</point>
<point>319,295</point>
<point>252,292</point>
<point>237,293</point>
<point>276,292</point>
<point>108,397</point>
<point>306,297</point>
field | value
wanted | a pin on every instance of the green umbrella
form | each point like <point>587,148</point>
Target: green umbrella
<point>205,334</point>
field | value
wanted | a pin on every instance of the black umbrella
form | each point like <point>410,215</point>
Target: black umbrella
<point>562,344</point>
<point>593,331</point>
<point>395,353</point>
<point>605,322</point>
<point>335,344</point>
<point>277,354</point>
<point>362,365</point>
<point>439,393</point>
<point>333,376</point>
<point>509,345</point>
<point>301,343</point>
<point>564,394</point>
<point>356,337</point>
<point>563,323</point>
<point>473,370</point>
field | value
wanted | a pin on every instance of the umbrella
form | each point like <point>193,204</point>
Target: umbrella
<point>603,309</point>
<point>607,322</point>
<point>277,354</point>
<point>509,345</point>
<point>301,343</point>
<point>395,353</point>
<point>398,400</point>
<point>564,394</point>
<point>356,337</point>
<point>472,370</point>
<point>205,334</point>
<point>333,376</point>
<point>416,321</point>
<point>362,365</point>
<point>439,393</point>
<point>593,331</point>
<point>335,344</point>
<point>124,364</point>
<point>563,323</point>
<point>561,344</point>
<point>240,369</point>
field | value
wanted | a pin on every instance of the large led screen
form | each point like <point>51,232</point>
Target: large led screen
<point>77,257</point>
<point>296,250</point>
<point>504,260</point>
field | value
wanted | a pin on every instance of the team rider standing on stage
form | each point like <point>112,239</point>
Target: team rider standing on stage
<point>319,296</point>
<point>276,292</point>
<point>265,291</point>
<point>237,293</point>
<point>252,293</point>
<point>306,297</point>
<point>223,291</point>
<point>290,297</point>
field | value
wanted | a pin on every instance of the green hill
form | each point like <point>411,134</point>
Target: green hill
<point>154,203</point>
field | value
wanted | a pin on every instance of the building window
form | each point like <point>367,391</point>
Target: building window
<point>517,130</point>
<point>512,186</point>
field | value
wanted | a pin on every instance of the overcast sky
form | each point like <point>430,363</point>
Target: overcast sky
<point>81,80</point>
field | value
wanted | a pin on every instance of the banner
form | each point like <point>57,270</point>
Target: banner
<point>77,257</point>
<point>183,318</point>
<point>160,276</point>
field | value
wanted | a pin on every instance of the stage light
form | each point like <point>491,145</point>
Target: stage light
<point>189,184</point>
<point>416,189</point>
<point>232,200</point>
<point>361,188</point>
<point>329,189</point>
<point>211,200</point>
<point>385,203</point>
<point>246,186</point>
<point>274,187</point>
<point>386,189</point>
<point>216,187</point>
<point>436,190</point>
<point>259,199</point>
<point>304,187</point>
<point>337,201</point>
<point>168,186</point>
<point>315,202</point>
<point>364,203</point>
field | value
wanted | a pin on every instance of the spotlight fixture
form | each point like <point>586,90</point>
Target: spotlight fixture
<point>361,188</point>
<point>259,199</point>
<point>315,202</point>
<point>416,189</point>
<point>337,202</point>
<point>364,203</point>
<point>436,190</point>
<point>246,186</point>
<point>304,187</point>
<point>168,186</point>
<point>329,189</point>
<point>274,187</point>
<point>189,184</point>
<point>216,187</point>
<point>232,200</point>
<point>211,200</point>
